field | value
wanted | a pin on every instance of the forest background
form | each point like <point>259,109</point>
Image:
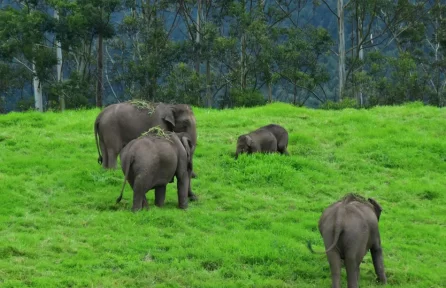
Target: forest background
<point>65,54</point>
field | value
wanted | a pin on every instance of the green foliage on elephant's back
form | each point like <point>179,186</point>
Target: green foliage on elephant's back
<point>60,226</point>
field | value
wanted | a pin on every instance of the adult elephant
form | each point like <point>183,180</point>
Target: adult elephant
<point>118,124</point>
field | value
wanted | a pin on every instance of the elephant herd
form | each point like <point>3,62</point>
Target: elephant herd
<point>156,142</point>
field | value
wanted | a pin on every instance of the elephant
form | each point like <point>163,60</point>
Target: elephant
<point>118,124</point>
<point>151,161</point>
<point>349,228</point>
<point>266,139</point>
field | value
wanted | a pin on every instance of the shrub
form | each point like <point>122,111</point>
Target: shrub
<point>343,104</point>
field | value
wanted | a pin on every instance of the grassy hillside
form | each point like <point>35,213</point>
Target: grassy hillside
<point>59,226</point>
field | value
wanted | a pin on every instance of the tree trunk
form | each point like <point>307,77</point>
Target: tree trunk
<point>59,65</point>
<point>270,92</point>
<point>361,58</point>
<point>37,91</point>
<point>208,83</point>
<point>295,94</point>
<point>341,63</point>
<point>99,83</point>
<point>197,39</point>
<point>243,62</point>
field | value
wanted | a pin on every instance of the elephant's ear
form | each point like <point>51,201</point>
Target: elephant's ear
<point>376,206</point>
<point>168,116</point>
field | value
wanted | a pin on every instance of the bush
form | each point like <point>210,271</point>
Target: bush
<point>247,98</point>
<point>343,104</point>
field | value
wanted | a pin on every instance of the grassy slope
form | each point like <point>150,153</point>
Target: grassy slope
<point>59,225</point>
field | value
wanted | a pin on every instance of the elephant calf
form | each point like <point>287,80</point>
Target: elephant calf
<point>151,162</point>
<point>269,138</point>
<point>349,228</point>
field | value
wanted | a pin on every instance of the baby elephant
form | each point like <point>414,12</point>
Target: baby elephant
<point>151,161</point>
<point>269,138</point>
<point>349,228</point>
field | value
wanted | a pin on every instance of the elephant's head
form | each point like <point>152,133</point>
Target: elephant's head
<point>180,118</point>
<point>244,143</point>
<point>376,207</point>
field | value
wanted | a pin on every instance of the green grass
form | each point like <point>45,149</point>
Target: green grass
<point>60,226</point>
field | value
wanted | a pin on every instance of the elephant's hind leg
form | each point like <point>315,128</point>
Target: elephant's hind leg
<point>111,157</point>
<point>334,260</point>
<point>352,267</point>
<point>140,188</point>
<point>160,195</point>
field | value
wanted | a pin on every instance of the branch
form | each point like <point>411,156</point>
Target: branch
<point>303,87</point>
<point>284,11</point>
<point>26,66</point>
<point>331,10</point>
<point>173,24</point>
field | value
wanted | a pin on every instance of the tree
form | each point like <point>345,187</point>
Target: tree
<point>23,38</point>
<point>298,60</point>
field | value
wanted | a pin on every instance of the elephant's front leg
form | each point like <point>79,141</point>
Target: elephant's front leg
<point>183,184</point>
<point>160,195</point>
<point>190,194</point>
<point>378,263</point>
<point>145,203</point>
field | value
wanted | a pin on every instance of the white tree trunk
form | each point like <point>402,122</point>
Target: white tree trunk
<point>197,38</point>
<point>361,58</point>
<point>37,91</point>
<point>59,65</point>
<point>243,62</point>
<point>341,63</point>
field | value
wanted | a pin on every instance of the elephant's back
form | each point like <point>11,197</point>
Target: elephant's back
<point>154,154</point>
<point>129,121</point>
<point>277,130</point>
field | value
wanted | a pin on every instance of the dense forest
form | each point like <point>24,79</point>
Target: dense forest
<point>62,54</point>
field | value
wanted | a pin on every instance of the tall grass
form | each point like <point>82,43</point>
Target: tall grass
<point>60,226</point>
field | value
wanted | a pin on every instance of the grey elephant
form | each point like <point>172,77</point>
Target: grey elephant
<point>118,124</point>
<point>266,139</point>
<point>349,228</point>
<point>151,161</point>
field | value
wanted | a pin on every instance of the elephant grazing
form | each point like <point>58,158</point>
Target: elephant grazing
<point>118,124</point>
<point>266,139</point>
<point>349,228</point>
<point>151,161</point>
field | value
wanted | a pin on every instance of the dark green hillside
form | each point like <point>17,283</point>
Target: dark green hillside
<point>59,226</point>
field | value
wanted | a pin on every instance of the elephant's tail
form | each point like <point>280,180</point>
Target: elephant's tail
<point>127,168</point>
<point>338,227</point>
<point>96,130</point>
<point>337,231</point>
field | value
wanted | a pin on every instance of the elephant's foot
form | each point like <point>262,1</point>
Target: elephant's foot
<point>145,204</point>
<point>192,196</point>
